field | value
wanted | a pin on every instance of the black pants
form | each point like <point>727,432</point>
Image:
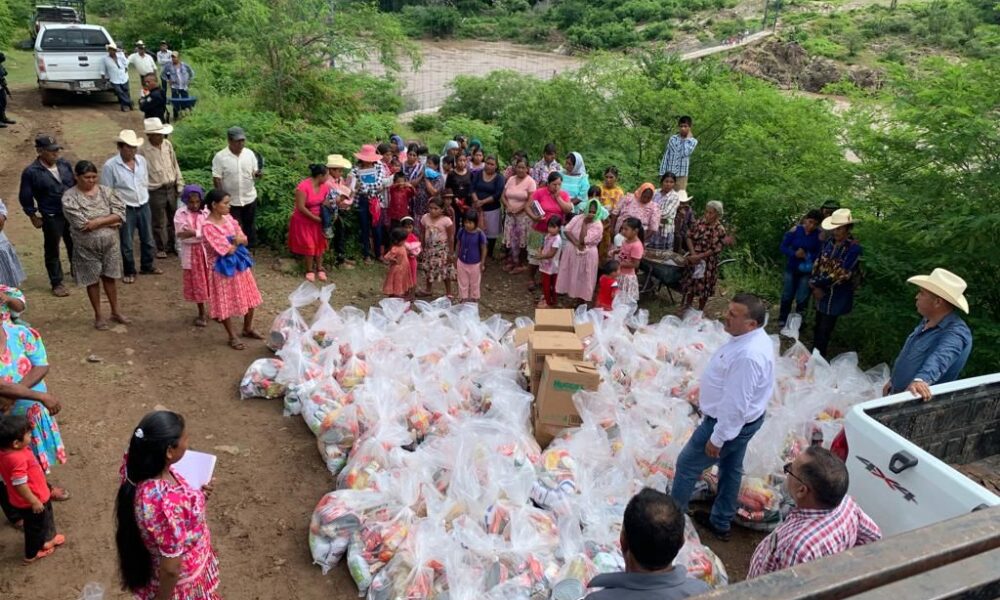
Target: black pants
<point>9,512</point>
<point>175,93</point>
<point>247,218</point>
<point>824,330</point>
<point>3,105</point>
<point>38,528</point>
<point>55,228</point>
<point>339,241</point>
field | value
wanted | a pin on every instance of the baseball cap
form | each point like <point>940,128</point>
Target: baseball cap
<point>236,134</point>
<point>47,142</point>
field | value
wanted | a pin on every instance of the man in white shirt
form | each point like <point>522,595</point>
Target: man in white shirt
<point>127,174</point>
<point>162,60</point>
<point>736,387</point>
<point>235,170</point>
<point>114,68</point>
<point>141,61</point>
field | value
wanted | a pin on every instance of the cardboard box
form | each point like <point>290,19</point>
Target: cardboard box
<point>551,343</point>
<point>553,319</point>
<point>523,334</point>
<point>554,409</point>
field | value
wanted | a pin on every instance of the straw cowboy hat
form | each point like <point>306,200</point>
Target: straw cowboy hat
<point>154,125</point>
<point>129,138</point>
<point>839,218</point>
<point>112,47</point>
<point>943,283</point>
<point>682,195</point>
<point>368,153</point>
<point>336,161</point>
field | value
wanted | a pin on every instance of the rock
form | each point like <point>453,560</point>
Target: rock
<point>129,352</point>
<point>119,329</point>
<point>288,266</point>
<point>210,437</point>
<point>788,65</point>
<point>233,450</point>
<point>93,358</point>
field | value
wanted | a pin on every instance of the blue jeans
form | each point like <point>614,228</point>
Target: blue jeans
<point>121,91</point>
<point>796,287</point>
<point>137,218</point>
<point>693,461</point>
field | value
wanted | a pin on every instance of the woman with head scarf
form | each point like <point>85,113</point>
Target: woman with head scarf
<point>641,206</point>
<point>575,180</point>
<point>579,258</point>
<point>451,148</point>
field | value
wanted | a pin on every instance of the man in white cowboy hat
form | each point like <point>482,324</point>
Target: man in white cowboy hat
<point>165,183</point>
<point>834,280</point>
<point>937,350</point>
<point>142,61</point>
<point>235,169</point>
<point>127,174</point>
<point>114,68</point>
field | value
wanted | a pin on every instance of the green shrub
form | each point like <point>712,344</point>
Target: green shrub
<point>431,20</point>
<point>422,123</point>
<point>824,46</point>
<point>7,29</point>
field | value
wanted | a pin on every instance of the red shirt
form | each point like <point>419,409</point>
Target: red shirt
<point>607,288</point>
<point>19,467</point>
<point>400,201</point>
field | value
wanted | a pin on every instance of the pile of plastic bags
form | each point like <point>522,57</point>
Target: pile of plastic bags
<point>420,414</point>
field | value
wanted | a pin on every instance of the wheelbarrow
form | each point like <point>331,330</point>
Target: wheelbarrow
<point>659,269</point>
<point>182,104</point>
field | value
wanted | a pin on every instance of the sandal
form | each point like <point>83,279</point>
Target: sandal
<point>41,554</point>
<point>55,542</point>
<point>161,254</point>
<point>128,279</point>
<point>153,271</point>
<point>311,277</point>
<point>200,322</point>
<point>101,325</point>
<point>58,494</point>
<point>236,344</point>
<point>121,319</point>
<point>321,275</point>
<point>250,334</point>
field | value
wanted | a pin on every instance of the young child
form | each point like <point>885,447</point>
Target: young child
<point>470,248</point>
<point>27,490</point>
<point>607,285</point>
<point>401,194</point>
<point>549,265</point>
<point>330,209</point>
<point>413,248</point>
<point>188,221</point>
<point>448,197</point>
<point>398,280</point>
<point>436,257</point>
<point>629,257</point>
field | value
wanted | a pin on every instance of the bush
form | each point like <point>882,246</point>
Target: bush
<point>7,29</point>
<point>434,21</point>
<point>486,98</point>
<point>422,123</point>
<point>824,46</point>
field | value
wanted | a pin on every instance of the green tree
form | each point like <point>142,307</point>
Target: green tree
<point>6,26</point>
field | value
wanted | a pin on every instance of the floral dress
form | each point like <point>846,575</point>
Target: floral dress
<point>699,281</point>
<point>6,314</point>
<point>434,259</point>
<point>24,350</point>
<point>230,296</point>
<point>172,523</point>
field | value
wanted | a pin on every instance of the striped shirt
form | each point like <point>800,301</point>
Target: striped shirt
<point>807,535</point>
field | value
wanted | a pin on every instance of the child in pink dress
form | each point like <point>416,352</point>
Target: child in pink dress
<point>234,296</point>
<point>188,222</point>
<point>399,278</point>
<point>629,257</point>
<point>413,249</point>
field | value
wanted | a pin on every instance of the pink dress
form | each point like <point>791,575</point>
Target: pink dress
<point>193,258</point>
<point>398,280</point>
<point>305,236</point>
<point>171,519</point>
<point>578,270</point>
<point>413,251</point>
<point>230,296</point>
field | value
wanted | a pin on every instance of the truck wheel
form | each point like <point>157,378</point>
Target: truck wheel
<point>49,97</point>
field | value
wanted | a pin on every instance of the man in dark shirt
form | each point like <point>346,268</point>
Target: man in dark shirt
<point>154,103</point>
<point>652,535</point>
<point>42,185</point>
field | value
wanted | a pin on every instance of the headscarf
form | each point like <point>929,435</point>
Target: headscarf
<point>584,207</point>
<point>642,189</point>
<point>451,145</point>
<point>399,143</point>
<point>579,169</point>
<point>192,188</point>
<point>476,142</point>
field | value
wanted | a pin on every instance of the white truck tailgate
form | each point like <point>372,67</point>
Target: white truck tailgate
<point>898,480</point>
<point>71,54</point>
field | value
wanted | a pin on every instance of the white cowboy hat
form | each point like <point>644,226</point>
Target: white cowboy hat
<point>943,283</point>
<point>112,47</point>
<point>154,125</point>
<point>682,195</point>
<point>839,218</point>
<point>337,161</point>
<point>129,138</point>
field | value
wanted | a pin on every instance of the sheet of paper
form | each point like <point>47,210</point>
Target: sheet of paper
<point>196,468</point>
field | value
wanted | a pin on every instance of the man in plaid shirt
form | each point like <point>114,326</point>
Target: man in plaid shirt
<point>824,522</point>
<point>677,154</point>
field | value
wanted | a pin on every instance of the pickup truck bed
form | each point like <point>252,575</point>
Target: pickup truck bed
<point>985,472</point>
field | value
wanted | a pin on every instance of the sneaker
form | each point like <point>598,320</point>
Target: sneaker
<point>704,519</point>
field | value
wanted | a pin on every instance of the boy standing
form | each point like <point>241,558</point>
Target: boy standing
<point>677,156</point>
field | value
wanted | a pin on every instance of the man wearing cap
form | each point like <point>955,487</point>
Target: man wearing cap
<point>834,276</point>
<point>127,174</point>
<point>179,74</point>
<point>937,350</point>
<point>43,182</point>
<point>154,103</point>
<point>235,169</point>
<point>141,61</point>
<point>165,183</point>
<point>114,68</point>
<point>163,59</point>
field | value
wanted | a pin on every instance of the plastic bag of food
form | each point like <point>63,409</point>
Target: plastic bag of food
<point>699,560</point>
<point>291,320</point>
<point>375,543</point>
<point>380,449</point>
<point>259,380</point>
<point>301,359</point>
<point>416,571</point>
<point>327,323</point>
<point>337,516</point>
<point>561,463</point>
<point>759,503</point>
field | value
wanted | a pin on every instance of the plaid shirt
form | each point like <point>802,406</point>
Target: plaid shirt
<point>677,155</point>
<point>807,535</point>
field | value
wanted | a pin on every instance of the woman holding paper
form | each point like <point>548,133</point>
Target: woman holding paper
<point>164,545</point>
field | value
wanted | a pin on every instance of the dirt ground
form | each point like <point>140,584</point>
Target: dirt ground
<point>269,475</point>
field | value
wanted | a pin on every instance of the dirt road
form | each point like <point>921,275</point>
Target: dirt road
<point>269,475</point>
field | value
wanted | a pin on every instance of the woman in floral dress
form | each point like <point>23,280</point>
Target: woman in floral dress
<point>704,243</point>
<point>164,544</point>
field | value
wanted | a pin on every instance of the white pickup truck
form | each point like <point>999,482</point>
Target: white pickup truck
<point>910,461</point>
<point>68,58</point>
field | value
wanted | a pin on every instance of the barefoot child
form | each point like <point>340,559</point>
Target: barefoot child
<point>436,260</point>
<point>412,250</point>
<point>629,257</point>
<point>398,280</point>
<point>470,248</point>
<point>188,221</point>
<point>549,262</point>
<point>27,490</point>
<point>607,285</point>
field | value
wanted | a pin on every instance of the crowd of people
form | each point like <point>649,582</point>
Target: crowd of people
<point>158,73</point>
